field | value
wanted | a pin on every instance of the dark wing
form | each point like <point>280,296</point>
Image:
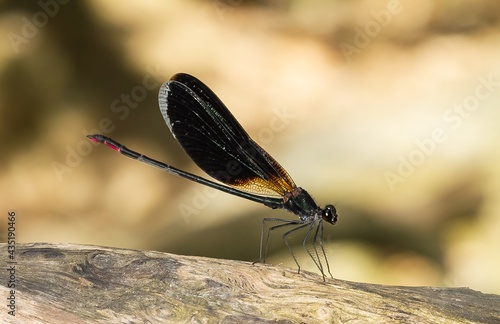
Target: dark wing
<point>215,141</point>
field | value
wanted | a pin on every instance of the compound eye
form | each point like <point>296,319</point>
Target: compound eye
<point>329,214</point>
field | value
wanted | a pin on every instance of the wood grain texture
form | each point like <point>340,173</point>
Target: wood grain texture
<point>67,283</point>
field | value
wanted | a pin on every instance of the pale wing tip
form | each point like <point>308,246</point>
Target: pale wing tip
<point>163,103</point>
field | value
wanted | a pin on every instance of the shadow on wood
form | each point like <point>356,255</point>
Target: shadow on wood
<point>68,283</point>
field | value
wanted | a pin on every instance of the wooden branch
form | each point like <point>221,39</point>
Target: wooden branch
<point>68,283</point>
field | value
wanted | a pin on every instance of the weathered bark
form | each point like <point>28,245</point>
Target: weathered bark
<point>67,283</point>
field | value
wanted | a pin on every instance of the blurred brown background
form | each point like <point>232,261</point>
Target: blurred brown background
<point>387,109</point>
